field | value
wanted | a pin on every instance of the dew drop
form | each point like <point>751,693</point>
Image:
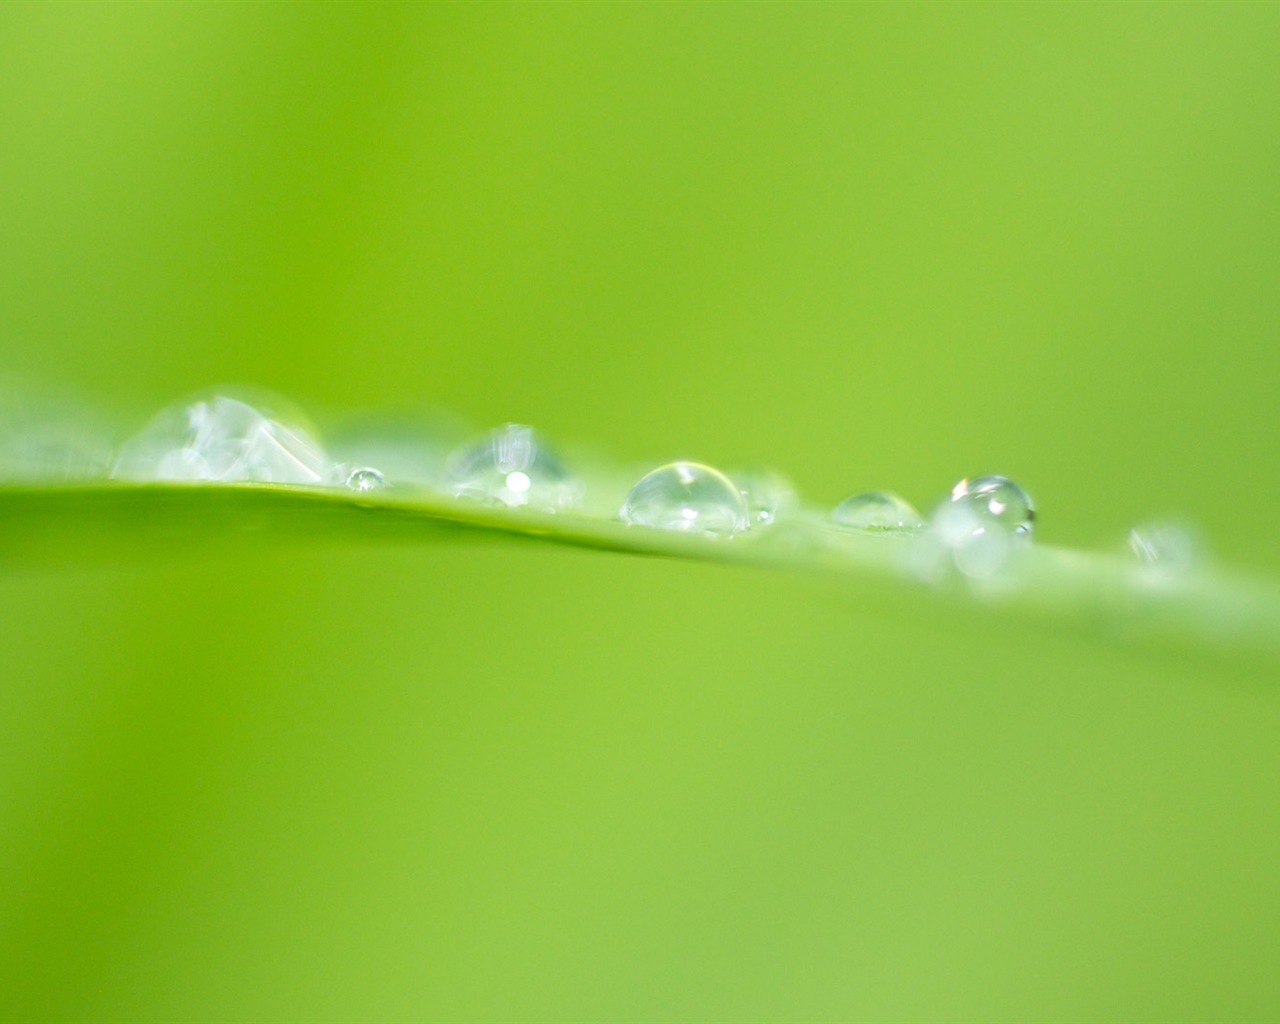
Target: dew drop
<point>513,466</point>
<point>688,497</point>
<point>366,480</point>
<point>1165,548</point>
<point>877,511</point>
<point>976,532</point>
<point>996,503</point>
<point>48,435</point>
<point>220,438</point>
<point>768,495</point>
<point>959,541</point>
<point>409,448</point>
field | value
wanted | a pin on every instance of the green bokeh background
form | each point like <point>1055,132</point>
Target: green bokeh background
<point>870,245</point>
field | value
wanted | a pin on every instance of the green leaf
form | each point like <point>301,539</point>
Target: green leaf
<point>1106,595</point>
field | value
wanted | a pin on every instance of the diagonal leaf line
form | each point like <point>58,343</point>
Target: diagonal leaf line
<point>1212,610</point>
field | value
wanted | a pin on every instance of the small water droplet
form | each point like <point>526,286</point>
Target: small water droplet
<point>513,466</point>
<point>366,480</point>
<point>997,503</point>
<point>768,495</point>
<point>219,438</point>
<point>1166,548</point>
<point>877,511</point>
<point>686,496</point>
<point>408,447</point>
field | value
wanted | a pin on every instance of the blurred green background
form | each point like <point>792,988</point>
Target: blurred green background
<point>869,245</point>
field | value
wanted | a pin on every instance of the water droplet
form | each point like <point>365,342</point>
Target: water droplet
<point>366,480</point>
<point>513,466</point>
<point>220,438</point>
<point>997,503</point>
<point>47,434</point>
<point>689,497</point>
<point>1166,548</point>
<point>959,541</point>
<point>976,532</point>
<point>768,495</point>
<point>877,511</point>
<point>409,448</point>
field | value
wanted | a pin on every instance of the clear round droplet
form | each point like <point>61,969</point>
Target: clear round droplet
<point>366,480</point>
<point>997,503</point>
<point>224,439</point>
<point>513,466</point>
<point>689,497</point>
<point>877,511</point>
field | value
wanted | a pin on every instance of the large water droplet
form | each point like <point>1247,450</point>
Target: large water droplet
<point>366,480</point>
<point>997,503</point>
<point>877,511</point>
<point>689,497</point>
<point>225,439</point>
<point>513,466</point>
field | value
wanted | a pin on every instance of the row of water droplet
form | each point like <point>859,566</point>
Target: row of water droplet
<point>234,437</point>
